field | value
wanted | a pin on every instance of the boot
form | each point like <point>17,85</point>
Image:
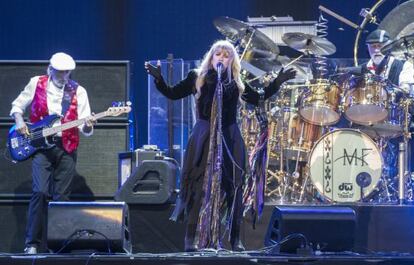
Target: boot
<point>235,241</point>
<point>237,245</point>
<point>190,244</point>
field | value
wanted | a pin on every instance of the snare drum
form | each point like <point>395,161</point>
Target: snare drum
<point>320,103</point>
<point>344,164</point>
<point>365,101</point>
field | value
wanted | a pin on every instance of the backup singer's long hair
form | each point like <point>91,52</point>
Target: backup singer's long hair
<point>232,71</point>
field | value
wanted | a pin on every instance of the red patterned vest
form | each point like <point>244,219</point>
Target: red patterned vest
<point>39,109</point>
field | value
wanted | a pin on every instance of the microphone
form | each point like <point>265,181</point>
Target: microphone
<point>219,67</point>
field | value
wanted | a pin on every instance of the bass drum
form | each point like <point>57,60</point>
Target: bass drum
<point>344,164</point>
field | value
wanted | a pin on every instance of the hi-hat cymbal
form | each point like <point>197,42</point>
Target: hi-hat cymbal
<point>237,30</point>
<point>307,43</point>
<point>402,48</point>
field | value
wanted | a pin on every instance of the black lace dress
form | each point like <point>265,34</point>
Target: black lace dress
<point>191,193</point>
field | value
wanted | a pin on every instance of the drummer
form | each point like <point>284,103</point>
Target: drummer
<point>399,73</point>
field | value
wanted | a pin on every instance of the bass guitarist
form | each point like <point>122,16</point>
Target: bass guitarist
<point>53,169</point>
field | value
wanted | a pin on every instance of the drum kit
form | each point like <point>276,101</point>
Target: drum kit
<point>329,141</point>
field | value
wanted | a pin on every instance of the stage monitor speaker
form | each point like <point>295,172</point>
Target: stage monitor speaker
<point>325,228</point>
<point>152,183</point>
<point>91,226</point>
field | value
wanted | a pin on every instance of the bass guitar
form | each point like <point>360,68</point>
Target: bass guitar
<point>21,147</point>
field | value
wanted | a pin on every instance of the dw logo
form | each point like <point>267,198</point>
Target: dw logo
<point>345,187</point>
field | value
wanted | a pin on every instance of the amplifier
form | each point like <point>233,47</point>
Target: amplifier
<point>129,161</point>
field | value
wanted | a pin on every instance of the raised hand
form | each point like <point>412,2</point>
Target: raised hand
<point>285,75</point>
<point>155,71</point>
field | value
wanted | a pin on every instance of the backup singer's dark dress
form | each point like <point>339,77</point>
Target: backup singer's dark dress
<point>195,159</point>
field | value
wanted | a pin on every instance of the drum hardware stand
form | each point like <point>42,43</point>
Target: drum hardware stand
<point>401,172</point>
<point>385,181</point>
<point>295,173</point>
<point>403,156</point>
<point>278,175</point>
<point>304,185</point>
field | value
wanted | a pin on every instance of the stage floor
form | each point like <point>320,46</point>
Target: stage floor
<point>221,258</point>
<point>383,235</point>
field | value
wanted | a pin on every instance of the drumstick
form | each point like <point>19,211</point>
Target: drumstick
<point>340,18</point>
<point>291,62</point>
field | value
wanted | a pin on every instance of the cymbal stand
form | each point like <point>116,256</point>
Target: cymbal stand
<point>403,171</point>
<point>247,45</point>
<point>276,141</point>
<point>283,142</point>
<point>273,176</point>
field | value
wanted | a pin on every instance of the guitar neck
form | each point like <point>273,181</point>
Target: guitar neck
<point>51,131</point>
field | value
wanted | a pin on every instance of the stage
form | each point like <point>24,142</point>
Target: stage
<point>383,235</point>
<point>221,258</point>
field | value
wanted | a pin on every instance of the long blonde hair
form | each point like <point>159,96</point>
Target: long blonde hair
<point>206,65</point>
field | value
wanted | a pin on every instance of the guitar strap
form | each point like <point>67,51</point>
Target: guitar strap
<point>70,137</point>
<point>68,94</point>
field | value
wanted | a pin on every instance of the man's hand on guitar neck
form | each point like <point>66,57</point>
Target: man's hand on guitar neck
<point>90,121</point>
<point>21,125</point>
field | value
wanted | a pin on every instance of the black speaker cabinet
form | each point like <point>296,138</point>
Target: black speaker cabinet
<point>325,228</point>
<point>96,165</point>
<point>105,81</point>
<point>92,226</point>
<point>152,183</point>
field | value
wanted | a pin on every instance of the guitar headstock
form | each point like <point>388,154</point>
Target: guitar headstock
<point>119,108</point>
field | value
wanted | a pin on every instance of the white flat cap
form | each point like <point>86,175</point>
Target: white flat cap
<point>62,62</point>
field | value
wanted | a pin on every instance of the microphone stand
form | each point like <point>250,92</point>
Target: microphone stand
<point>219,89</point>
<point>170,107</point>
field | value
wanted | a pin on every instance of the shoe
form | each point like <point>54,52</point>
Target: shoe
<point>238,246</point>
<point>191,248</point>
<point>30,250</point>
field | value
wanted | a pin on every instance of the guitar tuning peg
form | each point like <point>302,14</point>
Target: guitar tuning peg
<point>114,103</point>
<point>128,103</point>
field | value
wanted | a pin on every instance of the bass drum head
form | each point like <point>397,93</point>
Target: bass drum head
<point>342,162</point>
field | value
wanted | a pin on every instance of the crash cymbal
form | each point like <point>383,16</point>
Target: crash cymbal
<point>402,48</point>
<point>307,43</point>
<point>399,21</point>
<point>239,31</point>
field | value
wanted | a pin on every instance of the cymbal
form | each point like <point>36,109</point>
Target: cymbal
<point>237,30</point>
<point>308,43</point>
<point>269,64</point>
<point>402,48</point>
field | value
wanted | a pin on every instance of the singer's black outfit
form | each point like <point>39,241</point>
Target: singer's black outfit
<point>190,199</point>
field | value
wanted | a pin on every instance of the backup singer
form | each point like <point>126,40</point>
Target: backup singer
<point>52,169</point>
<point>204,191</point>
